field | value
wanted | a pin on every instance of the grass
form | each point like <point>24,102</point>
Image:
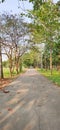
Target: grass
<point>6,72</point>
<point>55,77</point>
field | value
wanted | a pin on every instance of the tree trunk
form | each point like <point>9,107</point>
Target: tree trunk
<point>1,68</point>
<point>17,68</point>
<point>20,65</point>
<point>41,60</point>
<point>11,71</point>
<point>17,65</point>
<point>45,65</point>
<point>10,66</point>
<point>51,61</point>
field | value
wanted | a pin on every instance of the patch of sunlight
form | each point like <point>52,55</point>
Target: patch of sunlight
<point>30,105</point>
<point>13,111</point>
<point>14,100</point>
<point>30,125</point>
<point>6,127</point>
<point>22,90</point>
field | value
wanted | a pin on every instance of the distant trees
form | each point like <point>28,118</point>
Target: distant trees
<point>55,56</point>
<point>31,58</point>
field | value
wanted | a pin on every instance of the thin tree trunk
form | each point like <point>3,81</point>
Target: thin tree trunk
<point>10,66</point>
<point>11,71</point>
<point>16,59</point>
<point>51,61</point>
<point>20,64</point>
<point>1,68</point>
<point>17,66</point>
<point>45,64</point>
<point>41,60</point>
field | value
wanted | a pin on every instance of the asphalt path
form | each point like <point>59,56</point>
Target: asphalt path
<point>31,102</point>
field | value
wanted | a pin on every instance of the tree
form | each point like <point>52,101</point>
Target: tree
<point>1,68</point>
<point>36,3</point>
<point>13,34</point>
<point>1,41</point>
<point>32,57</point>
<point>46,26</point>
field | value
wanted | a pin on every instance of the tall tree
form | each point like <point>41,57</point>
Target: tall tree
<point>46,25</point>
<point>13,33</point>
<point>1,41</point>
<point>1,67</point>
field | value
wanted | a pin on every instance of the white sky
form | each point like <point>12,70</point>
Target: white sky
<point>12,5</point>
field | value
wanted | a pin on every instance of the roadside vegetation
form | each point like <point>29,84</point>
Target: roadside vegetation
<point>7,73</point>
<point>55,77</point>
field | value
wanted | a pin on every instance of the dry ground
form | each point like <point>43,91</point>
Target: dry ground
<point>4,82</point>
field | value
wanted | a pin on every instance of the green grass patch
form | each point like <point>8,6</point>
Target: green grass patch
<point>6,72</point>
<point>55,77</point>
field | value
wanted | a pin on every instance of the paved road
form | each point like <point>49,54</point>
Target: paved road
<point>31,103</point>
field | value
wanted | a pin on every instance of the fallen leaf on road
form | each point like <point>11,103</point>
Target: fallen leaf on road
<point>18,92</point>
<point>0,112</point>
<point>6,91</point>
<point>10,109</point>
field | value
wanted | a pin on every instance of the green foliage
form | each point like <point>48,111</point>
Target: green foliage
<point>55,77</point>
<point>31,58</point>
<point>7,72</point>
<point>45,23</point>
<point>5,64</point>
<point>36,3</point>
<point>55,55</point>
<point>45,29</point>
<point>28,60</point>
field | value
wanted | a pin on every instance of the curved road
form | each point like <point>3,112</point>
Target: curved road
<point>31,102</point>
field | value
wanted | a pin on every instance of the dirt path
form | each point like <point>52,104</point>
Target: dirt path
<point>31,102</point>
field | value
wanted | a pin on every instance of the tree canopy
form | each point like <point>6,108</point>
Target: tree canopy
<point>43,28</point>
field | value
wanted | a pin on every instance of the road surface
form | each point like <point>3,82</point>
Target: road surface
<point>31,102</point>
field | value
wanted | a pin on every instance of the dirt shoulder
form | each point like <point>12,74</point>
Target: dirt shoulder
<point>4,82</point>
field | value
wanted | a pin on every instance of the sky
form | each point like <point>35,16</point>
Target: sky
<point>13,6</point>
